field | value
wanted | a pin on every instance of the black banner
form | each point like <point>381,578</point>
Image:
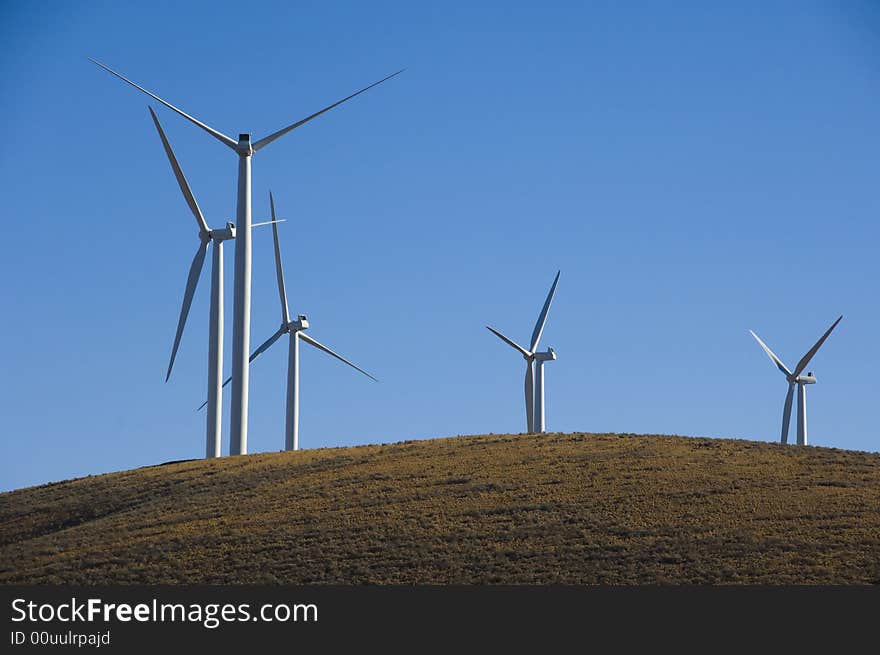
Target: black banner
<point>554,619</point>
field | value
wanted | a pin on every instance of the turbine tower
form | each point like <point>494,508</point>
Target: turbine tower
<point>215,321</point>
<point>534,360</point>
<point>296,330</point>
<point>795,379</point>
<point>245,149</point>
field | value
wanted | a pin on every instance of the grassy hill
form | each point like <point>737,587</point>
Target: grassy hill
<point>557,508</point>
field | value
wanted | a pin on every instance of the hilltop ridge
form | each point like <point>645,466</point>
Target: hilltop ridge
<point>554,508</point>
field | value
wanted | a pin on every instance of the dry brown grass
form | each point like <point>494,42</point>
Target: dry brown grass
<point>558,508</point>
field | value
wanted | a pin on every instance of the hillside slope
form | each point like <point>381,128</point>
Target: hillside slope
<point>576,508</point>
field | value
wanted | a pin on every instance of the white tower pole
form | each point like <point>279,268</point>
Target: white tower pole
<point>215,355</point>
<point>540,405</point>
<point>241,309</point>
<point>539,395</point>
<point>291,431</point>
<point>802,414</point>
<point>530,395</point>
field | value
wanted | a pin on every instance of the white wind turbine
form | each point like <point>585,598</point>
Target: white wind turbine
<point>241,323</point>
<point>296,330</point>
<point>795,378</point>
<point>215,321</point>
<point>534,360</point>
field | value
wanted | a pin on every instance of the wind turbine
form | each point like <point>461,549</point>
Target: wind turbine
<point>534,363</point>
<point>796,379</point>
<point>215,321</point>
<point>241,323</point>
<point>296,330</point>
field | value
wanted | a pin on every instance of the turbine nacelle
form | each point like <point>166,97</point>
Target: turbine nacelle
<point>225,234</point>
<point>244,147</point>
<point>548,356</point>
<point>298,324</point>
<point>809,378</point>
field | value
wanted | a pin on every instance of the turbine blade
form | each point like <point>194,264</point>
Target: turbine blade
<point>786,413</point>
<point>511,342</point>
<point>265,345</point>
<point>269,139</point>
<point>530,396</point>
<point>192,280</point>
<point>259,351</point>
<point>279,270</point>
<point>319,346</point>
<point>280,220</point>
<point>782,367</point>
<point>181,179</point>
<point>542,319</point>
<point>210,130</point>
<point>806,358</point>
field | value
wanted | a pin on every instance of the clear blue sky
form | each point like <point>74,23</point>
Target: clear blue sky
<point>693,170</point>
